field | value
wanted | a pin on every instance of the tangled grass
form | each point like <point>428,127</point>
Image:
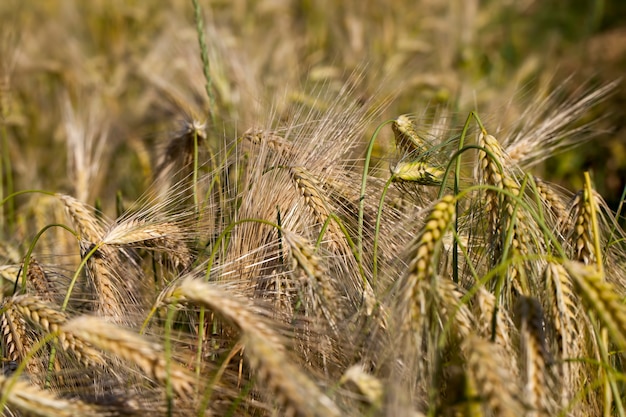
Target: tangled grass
<point>285,271</point>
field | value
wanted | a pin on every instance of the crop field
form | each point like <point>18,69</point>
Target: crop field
<point>312,208</point>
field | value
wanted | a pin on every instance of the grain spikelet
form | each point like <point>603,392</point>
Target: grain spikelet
<point>274,142</point>
<point>323,294</point>
<point>424,257</point>
<point>601,298</point>
<point>418,172</point>
<point>15,341</point>
<point>33,401</point>
<point>311,191</point>
<point>266,355</point>
<point>564,312</point>
<point>178,154</point>
<point>502,212</point>
<point>131,347</point>
<point>39,281</point>
<point>544,128</point>
<point>535,356</point>
<point>370,387</point>
<point>109,297</point>
<point>407,139</point>
<point>51,320</point>
<point>491,172</point>
<point>85,222</point>
<point>552,201</point>
<point>581,235</point>
<point>159,235</point>
<point>451,308</point>
<point>110,291</point>
<point>489,375</point>
<point>486,303</point>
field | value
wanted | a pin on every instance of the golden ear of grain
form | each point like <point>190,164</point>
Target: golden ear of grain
<point>101,269</point>
<point>158,235</point>
<point>51,320</point>
<point>429,240</point>
<point>581,236</point>
<point>38,281</point>
<point>274,142</point>
<point>536,358</point>
<point>486,304</point>
<point>552,201</point>
<point>312,192</point>
<point>453,310</point>
<point>131,347</point>
<point>263,349</point>
<point>83,219</point>
<point>564,310</point>
<point>33,401</point>
<point>504,213</point>
<point>370,387</point>
<point>15,340</point>
<point>601,298</point>
<point>325,296</point>
<point>490,377</point>
<point>424,257</point>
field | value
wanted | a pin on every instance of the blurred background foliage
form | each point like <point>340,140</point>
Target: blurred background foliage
<point>128,71</point>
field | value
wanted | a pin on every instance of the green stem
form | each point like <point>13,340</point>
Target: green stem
<point>204,55</point>
<point>366,166</point>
